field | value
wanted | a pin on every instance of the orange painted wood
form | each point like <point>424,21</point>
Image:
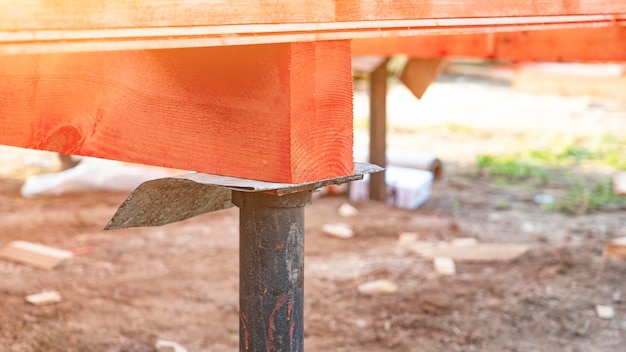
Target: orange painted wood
<point>359,10</point>
<point>590,44</point>
<point>101,14</point>
<point>426,46</point>
<point>607,43</point>
<point>279,112</point>
<point>38,26</point>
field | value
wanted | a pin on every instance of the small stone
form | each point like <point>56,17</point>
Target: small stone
<point>464,242</point>
<point>360,323</point>
<point>605,312</point>
<point>529,227</point>
<point>407,237</point>
<point>544,199</point>
<point>377,287</point>
<point>169,346</point>
<point>346,210</point>
<point>617,296</point>
<point>43,298</point>
<point>340,230</point>
<point>444,266</point>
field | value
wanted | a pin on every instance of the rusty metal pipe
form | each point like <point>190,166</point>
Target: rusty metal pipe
<point>271,277</point>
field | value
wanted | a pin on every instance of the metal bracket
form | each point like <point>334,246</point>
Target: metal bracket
<point>271,243</point>
<point>163,201</point>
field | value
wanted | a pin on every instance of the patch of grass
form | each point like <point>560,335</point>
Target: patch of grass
<point>558,165</point>
<point>612,151</point>
<point>510,168</point>
<point>446,128</point>
<point>582,198</point>
<point>607,150</point>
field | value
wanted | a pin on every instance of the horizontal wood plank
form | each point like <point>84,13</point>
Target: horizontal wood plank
<point>41,26</point>
<point>605,43</point>
<point>101,14</point>
<point>58,41</point>
<point>280,113</point>
<point>372,10</point>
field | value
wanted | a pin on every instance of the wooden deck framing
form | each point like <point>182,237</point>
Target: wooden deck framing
<point>593,44</point>
<point>251,89</point>
<point>254,89</point>
<point>38,26</point>
<point>280,112</point>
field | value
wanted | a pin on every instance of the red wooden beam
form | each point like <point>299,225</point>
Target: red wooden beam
<point>49,15</point>
<point>43,26</point>
<point>607,43</point>
<point>280,113</point>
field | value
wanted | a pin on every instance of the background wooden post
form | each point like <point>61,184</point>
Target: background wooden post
<point>378,130</point>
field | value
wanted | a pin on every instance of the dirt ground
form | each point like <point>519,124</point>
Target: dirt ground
<point>180,282</point>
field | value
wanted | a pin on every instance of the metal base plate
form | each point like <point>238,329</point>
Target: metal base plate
<point>163,201</point>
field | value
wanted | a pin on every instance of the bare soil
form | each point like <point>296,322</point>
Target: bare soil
<point>180,282</point>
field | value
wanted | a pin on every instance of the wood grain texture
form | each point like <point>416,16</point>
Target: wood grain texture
<point>280,113</point>
<point>606,43</point>
<point>359,10</point>
<point>44,26</point>
<point>316,132</point>
<point>586,44</point>
<point>101,14</point>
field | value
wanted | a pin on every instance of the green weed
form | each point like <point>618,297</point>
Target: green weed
<point>510,168</point>
<point>558,165</point>
<point>585,197</point>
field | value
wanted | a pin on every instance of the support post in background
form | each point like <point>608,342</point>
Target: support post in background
<point>271,264</point>
<point>378,130</point>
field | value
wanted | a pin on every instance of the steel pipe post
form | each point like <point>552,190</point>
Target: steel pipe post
<point>271,264</point>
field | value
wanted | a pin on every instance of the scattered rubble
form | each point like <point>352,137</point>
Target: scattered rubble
<point>444,266</point>
<point>616,248</point>
<point>340,230</point>
<point>34,254</point>
<point>464,241</point>
<point>542,199</point>
<point>480,252</point>
<point>407,237</point>
<point>377,287</point>
<point>605,312</point>
<point>169,346</point>
<point>43,298</point>
<point>346,210</point>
